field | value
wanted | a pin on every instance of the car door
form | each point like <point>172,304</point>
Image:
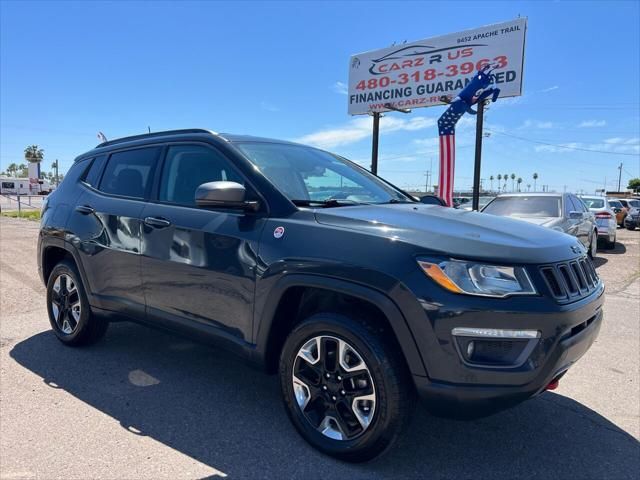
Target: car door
<point>107,224</point>
<point>199,263</point>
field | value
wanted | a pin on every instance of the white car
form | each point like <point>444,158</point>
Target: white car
<point>605,219</point>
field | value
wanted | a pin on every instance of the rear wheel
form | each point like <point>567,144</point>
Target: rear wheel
<point>69,311</point>
<point>610,244</point>
<point>347,392</point>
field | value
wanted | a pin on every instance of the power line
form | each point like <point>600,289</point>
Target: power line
<point>565,146</point>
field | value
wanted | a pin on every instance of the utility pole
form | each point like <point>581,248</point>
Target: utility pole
<point>619,175</point>
<point>374,142</point>
<point>55,166</point>
<point>475,202</point>
<point>376,134</point>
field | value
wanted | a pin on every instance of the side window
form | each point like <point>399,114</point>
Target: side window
<point>568,205</point>
<point>189,166</point>
<point>128,173</point>
<point>92,175</point>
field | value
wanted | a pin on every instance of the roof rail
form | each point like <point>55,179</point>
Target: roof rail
<point>154,134</point>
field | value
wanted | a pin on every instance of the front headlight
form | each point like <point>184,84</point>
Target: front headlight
<point>479,278</point>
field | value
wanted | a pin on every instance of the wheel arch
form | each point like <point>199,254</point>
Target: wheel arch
<point>55,250</point>
<point>291,299</point>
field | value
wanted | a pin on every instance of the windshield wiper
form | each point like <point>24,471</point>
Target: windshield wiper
<point>332,202</point>
<point>397,200</point>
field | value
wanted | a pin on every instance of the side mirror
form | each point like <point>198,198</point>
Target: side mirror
<point>575,215</point>
<point>223,195</point>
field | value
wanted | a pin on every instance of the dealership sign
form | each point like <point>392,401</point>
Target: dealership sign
<point>418,74</point>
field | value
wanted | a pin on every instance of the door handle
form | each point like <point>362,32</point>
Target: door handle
<point>157,222</point>
<point>85,209</point>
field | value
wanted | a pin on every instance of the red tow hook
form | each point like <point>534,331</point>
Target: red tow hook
<point>553,385</point>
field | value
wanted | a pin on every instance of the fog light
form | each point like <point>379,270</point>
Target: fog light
<point>470,348</point>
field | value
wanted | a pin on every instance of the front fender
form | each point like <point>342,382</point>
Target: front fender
<point>267,303</point>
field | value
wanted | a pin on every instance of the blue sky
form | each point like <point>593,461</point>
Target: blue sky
<point>69,70</point>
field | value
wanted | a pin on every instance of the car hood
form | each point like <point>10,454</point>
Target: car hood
<point>456,233</point>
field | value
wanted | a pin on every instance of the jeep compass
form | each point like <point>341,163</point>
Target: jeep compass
<point>359,297</point>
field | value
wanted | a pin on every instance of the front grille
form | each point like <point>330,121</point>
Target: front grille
<point>570,281</point>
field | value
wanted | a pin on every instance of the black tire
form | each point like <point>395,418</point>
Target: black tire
<point>593,245</point>
<point>89,328</point>
<point>630,228</point>
<point>391,383</point>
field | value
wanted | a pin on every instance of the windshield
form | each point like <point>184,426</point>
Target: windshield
<point>307,176</point>
<point>592,202</point>
<point>523,206</point>
<point>615,203</point>
<point>634,203</point>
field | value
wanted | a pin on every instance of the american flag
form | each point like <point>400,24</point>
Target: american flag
<point>447,131</point>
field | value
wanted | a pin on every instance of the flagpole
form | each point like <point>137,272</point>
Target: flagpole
<point>476,168</point>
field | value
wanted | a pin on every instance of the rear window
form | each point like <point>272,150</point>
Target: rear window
<point>591,202</point>
<point>615,204</point>
<point>634,203</point>
<point>92,175</point>
<point>524,206</point>
<point>128,173</point>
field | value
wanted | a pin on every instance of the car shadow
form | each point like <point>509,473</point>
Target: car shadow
<point>210,406</point>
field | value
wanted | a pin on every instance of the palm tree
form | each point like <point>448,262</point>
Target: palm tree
<point>499,182</point>
<point>23,171</point>
<point>491,180</point>
<point>513,180</point>
<point>33,154</point>
<point>535,178</point>
<point>12,169</point>
<point>519,182</point>
<point>528,187</point>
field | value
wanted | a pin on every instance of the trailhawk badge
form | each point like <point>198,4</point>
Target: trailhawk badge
<point>278,232</point>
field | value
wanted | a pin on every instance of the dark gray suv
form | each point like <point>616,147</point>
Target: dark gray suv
<point>359,297</point>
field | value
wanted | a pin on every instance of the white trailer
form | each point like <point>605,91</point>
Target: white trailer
<point>23,186</point>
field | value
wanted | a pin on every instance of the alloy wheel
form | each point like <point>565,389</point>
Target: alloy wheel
<point>334,388</point>
<point>65,304</point>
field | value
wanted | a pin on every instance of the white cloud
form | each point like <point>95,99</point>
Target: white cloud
<point>537,124</point>
<point>340,87</point>
<point>360,128</point>
<point>269,107</point>
<point>592,123</point>
<point>550,89</point>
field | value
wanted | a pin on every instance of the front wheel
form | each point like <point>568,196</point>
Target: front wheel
<point>346,390</point>
<point>593,245</point>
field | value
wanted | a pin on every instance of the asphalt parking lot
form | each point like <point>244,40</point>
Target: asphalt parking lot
<point>144,404</point>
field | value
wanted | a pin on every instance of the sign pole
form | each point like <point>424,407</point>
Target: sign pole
<point>374,143</point>
<point>476,168</point>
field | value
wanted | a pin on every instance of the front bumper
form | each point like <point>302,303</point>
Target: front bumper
<point>455,388</point>
<point>630,222</point>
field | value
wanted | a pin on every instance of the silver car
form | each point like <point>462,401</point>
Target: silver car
<point>605,219</point>
<point>563,212</point>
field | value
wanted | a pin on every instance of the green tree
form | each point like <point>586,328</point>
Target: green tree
<point>513,182</point>
<point>519,182</point>
<point>505,177</point>
<point>634,184</point>
<point>23,171</point>
<point>491,180</point>
<point>535,179</point>
<point>33,154</point>
<point>12,169</point>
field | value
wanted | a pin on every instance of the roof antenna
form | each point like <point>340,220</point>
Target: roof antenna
<point>101,137</point>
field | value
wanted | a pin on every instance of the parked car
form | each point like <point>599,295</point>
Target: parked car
<point>632,220</point>
<point>309,266</point>
<point>606,222</point>
<point>562,212</point>
<point>433,200</point>
<point>630,203</point>
<point>482,202</point>
<point>619,209</point>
